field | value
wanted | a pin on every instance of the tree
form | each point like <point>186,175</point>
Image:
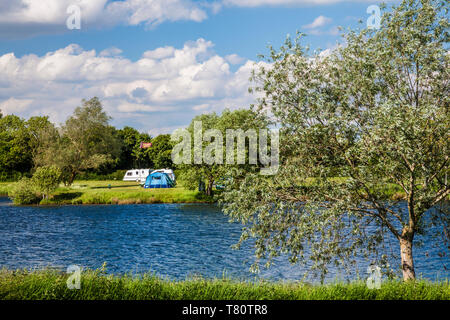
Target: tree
<point>14,145</point>
<point>191,174</point>
<point>161,151</point>
<point>42,134</point>
<point>86,142</point>
<point>371,116</point>
<point>46,180</point>
<point>132,155</point>
<point>242,119</point>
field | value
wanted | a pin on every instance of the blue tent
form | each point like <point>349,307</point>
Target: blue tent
<point>159,180</point>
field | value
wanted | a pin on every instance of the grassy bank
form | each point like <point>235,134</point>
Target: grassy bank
<point>48,284</point>
<point>120,192</point>
<point>116,192</point>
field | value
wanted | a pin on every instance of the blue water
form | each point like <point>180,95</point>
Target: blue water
<point>171,240</point>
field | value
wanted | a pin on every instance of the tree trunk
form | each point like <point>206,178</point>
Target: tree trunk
<point>209,190</point>
<point>72,178</point>
<point>406,244</point>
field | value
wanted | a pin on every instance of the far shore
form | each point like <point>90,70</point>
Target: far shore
<point>116,193</point>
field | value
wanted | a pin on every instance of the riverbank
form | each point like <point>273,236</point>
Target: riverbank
<point>51,285</point>
<point>116,192</point>
<point>119,192</point>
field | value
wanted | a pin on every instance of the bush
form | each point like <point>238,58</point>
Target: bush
<point>23,192</point>
<point>47,179</point>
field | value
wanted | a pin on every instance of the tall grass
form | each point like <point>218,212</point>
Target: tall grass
<point>51,284</point>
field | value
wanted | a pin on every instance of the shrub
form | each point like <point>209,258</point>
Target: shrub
<point>47,179</point>
<point>23,192</point>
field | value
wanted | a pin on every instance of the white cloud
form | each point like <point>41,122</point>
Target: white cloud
<point>29,17</point>
<point>159,53</point>
<point>14,105</point>
<point>110,52</point>
<point>202,107</point>
<point>152,12</point>
<point>234,59</point>
<point>318,22</point>
<point>166,87</point>
<point>257,3</point>
<point>21,18</point>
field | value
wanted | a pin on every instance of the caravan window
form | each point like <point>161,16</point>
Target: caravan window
<point>129,173</point>
<point>137,172</point>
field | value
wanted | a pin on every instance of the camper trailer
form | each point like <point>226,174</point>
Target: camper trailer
<point>138,175</point>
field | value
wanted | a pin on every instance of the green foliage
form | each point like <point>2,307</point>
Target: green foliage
<point>46,180</point>
<point>375,111</point>
<point>93,175</point>
<point>24,192</point>
<point>161,152</point>
<point>158,156</point>
<point>132,155</point>
<point>242,119</point>
<point>86,142</point>
<point>96,285</point>
<point>14,145</point>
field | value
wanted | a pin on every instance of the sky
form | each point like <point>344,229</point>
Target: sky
<point>154,64</point>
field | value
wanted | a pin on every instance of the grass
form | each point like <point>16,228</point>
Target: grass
<point>51,285</point>
<point>117,192</point>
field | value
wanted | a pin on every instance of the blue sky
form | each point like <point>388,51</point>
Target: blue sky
<point>150,59</point>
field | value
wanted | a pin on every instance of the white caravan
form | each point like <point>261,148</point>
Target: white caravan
<point>138,175</point>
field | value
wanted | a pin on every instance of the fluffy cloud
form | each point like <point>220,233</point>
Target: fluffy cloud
<point>165,88</point>
<point>28,17</point>
<point>31,17</point>
<point>14,105</point>
<point>318,22</point>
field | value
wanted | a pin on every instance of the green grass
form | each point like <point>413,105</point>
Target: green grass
<point>117,192</point>
<point>51,284</point>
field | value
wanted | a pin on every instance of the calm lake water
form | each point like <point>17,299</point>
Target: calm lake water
<point>171,240</point>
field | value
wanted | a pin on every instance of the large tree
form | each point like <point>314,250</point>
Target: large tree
<point>371,116</point>
<point>86,142</point>
<point>42,135</point>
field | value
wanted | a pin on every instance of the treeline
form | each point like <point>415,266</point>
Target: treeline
<point>85,145</point>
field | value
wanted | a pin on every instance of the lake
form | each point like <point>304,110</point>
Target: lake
<point>171,240</point>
